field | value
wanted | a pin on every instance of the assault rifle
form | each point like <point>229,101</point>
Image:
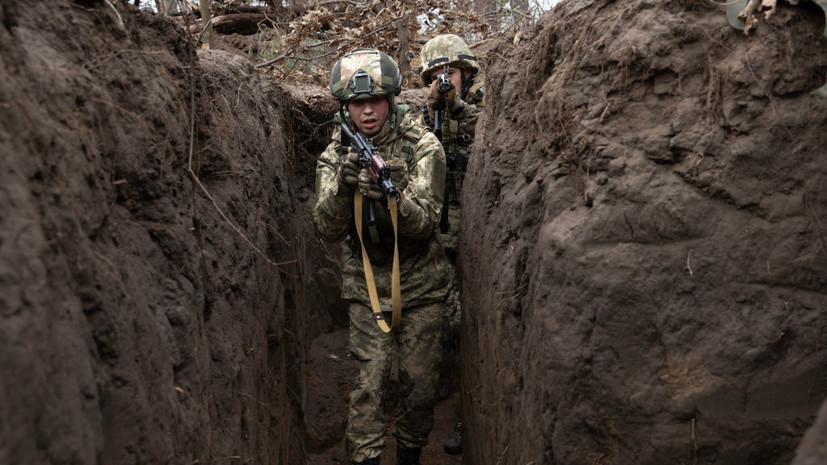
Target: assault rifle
<point>378,170</point>
<point>443,85</point>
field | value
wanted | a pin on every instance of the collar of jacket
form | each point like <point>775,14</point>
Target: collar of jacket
<point>394,127</point>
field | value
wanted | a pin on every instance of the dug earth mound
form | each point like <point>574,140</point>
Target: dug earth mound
<point>643,256</point>
<point>643,249</point>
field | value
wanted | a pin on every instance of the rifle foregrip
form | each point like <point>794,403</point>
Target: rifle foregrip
<point>369,158</point>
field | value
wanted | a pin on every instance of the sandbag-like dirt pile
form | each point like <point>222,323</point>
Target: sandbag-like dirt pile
<point>142,319</point>
<point>644,245</point>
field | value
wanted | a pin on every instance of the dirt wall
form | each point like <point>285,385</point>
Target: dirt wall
<point>137,325</point>
<point>644,260</point>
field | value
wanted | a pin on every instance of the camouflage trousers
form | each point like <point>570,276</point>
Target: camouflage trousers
<point>449,237</point>
<point>419,340</point>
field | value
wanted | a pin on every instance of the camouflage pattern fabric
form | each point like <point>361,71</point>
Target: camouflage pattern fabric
<point>419,340</point>
<point>460,133</point>
<point>425,281</point>
<point>442,50</point>
<point>381,68</point>
<point>424,269</point>
<point>463,125</point>
<point>425,276</point>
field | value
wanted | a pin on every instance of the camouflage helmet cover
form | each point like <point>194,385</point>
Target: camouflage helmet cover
<point>364,73</point>
<point>445,49</point>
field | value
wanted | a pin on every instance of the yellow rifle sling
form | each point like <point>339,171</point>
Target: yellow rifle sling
<point>396,293</point>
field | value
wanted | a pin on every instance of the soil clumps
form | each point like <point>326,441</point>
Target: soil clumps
<point>643,250</point>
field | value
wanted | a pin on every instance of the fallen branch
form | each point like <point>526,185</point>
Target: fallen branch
<point>238,23</point>
<point>289,56</point>
<point>117,15</point>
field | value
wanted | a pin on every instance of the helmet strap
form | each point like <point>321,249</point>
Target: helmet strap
<point>345,115</point>
<point>392,111</point>
<point>467,81</point>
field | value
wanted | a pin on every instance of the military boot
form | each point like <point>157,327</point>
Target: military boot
<point>407,456</point>
<point>453,445</point>
<point>373,461</point>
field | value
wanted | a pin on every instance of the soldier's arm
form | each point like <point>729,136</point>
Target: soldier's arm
<point>333,210</point>
<point>467,117</point>
<point>419,211</point>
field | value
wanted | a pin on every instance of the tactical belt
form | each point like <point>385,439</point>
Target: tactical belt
<point>396,293</point>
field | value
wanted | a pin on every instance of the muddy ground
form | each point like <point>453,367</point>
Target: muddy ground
<point>643,263</point>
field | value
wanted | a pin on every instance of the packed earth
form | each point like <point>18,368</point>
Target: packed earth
<point>642,260</point>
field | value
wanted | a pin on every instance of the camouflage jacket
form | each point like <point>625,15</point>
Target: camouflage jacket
<point>461,128</point>
<point>457,137</point>
<point>424,270</point>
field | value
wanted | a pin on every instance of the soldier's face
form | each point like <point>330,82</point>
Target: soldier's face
<point>369,114</point>
<point>454,75</point>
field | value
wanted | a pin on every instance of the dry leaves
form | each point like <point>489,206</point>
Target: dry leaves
<point>303,39</point>
<point>375,23</point>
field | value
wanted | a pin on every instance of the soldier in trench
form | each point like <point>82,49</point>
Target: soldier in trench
<point>452,113</point>
<point>365,81</point>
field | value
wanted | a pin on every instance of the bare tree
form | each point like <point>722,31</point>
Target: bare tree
<point>205,20</point>
<point>520,6</point>
<point>520,12</point>
<point>166,6</point>
<point>404,59</point>
<point>484,6</point>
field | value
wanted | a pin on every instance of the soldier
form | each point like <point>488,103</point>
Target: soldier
<point>452,112</point>
<point>365,82</point>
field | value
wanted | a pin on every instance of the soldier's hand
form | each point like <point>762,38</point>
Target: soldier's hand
<point>435,102</point>
<point>436,99</point>
<point>454,101</point>
<point>368,187</point>
<point>349,171</point>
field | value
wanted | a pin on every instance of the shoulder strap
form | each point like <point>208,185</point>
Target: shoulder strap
<point>410,137</point>
<point>396,293</point>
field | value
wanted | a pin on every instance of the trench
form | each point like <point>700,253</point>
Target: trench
<point>643,274</point>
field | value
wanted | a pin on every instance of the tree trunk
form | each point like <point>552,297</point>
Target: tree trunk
<point>404,60</point>
<point>520,13</point>
<point>520,5</point>
<point>241,23</point>
<point>205,20</point>
<point>166,6</point>
<point>484,6</point>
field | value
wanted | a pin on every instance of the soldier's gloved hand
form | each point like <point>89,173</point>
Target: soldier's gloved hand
<point>349,171</point>
<point>368,187</point>
<point>453,100</point>
<point>436,99</point>
<point>436,102</point>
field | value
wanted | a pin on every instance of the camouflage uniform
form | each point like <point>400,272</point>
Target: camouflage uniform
<point>424,281</point>
<point>458,129</point>
<point>419,338</point>
<point>457,136</point>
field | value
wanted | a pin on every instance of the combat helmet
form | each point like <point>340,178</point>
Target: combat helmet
<point>365,73</point>
<point>446,49</point>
